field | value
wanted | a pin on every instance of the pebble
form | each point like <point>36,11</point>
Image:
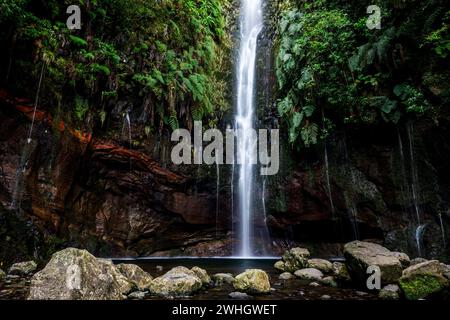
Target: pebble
<point>325,297</point>
<point>239,296</point>
<point>137,295</point>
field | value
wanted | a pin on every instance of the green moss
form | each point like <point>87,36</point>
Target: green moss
<point>421,286</point>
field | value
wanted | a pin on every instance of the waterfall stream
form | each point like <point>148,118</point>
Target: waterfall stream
<point>251,23</point>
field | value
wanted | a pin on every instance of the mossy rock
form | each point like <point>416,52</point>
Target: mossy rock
<point>421,286</point>
<point>422,280</point>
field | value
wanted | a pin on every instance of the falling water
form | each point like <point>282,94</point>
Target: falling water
<point>327,177</point>
<point>419,235</point>
<point>441,222</point>
<point>251,25</point>
<point>217,197</point>
<point>26,150</point>
<point>414,175</point>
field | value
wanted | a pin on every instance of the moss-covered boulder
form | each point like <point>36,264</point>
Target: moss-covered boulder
<point>280,266</point>
<point>23,268</point>
<point>2,274</point>
<point>390,292</point>
<point>220,279</point>
<point>422,280</point>
<point>252,281</point>
<point>74,274</point>
<point>293,260</point>
<point>179,281</point>
<point>202,275</point>
<point>135,275</point>
<point>361,255</point>
<point>340,272</point>
<point>323,265</point>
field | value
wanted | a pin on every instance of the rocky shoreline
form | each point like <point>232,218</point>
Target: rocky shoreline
<point>74,274</point>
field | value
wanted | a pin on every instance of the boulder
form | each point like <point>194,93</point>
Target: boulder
<point>361,255</point>
<point>286,276</point>
<point>340,272</point>
<point>222,278</point>
<point>137,295</point>
<point>329,282</point>
<point>422,280</point>
<point>202,275</point>
<point>252,281</point>
<point>309,274</point>
<point>321,264</point>
<point>179,281</point>
<point>280,266</point>
<point>126,286</point>
<point>390,292</point>
<point>74,274</point>
<point>135,275</point>
<point>23,268</point>
<point>2,274</point>
<point>417,261</point>
<point>295,259</point>
<point>404,259</point>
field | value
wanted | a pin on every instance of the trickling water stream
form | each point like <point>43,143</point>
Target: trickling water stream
<point>17,191</point>
<point>251,21</point>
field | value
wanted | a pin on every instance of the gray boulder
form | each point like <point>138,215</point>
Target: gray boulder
<point>222,278</point>
<point>390,292</point>
<point>179,281</point>
<point>202,275</point>
<point>23,268</point>
<point>309,274</point>
<point>360,255</point>
<point>323,265</point>
<point>404,259</point>
<point>417,261</point>
<point>239,296</point>
<point>286,276</point>
<point>74,274</point>
<point>340,272</point>
<point>252,281</point>
<point>135,275</point>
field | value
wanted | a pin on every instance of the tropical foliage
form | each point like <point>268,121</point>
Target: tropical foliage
<point>332,70</point>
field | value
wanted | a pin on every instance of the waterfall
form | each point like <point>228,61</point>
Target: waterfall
<point>414,175</point>
<point>441,222</point>
<point>17,191</point>
<point>251,23</point>
<point>327,178</point>
<point>217,197</point>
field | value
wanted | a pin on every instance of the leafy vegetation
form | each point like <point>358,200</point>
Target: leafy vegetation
<point>333,71</point>
<point>168,58</point>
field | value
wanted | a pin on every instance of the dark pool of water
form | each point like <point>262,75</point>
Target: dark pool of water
<point>287,290</point>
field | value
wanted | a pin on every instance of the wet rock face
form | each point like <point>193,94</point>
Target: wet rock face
<point>72,179</point>
<point>370,173</point>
